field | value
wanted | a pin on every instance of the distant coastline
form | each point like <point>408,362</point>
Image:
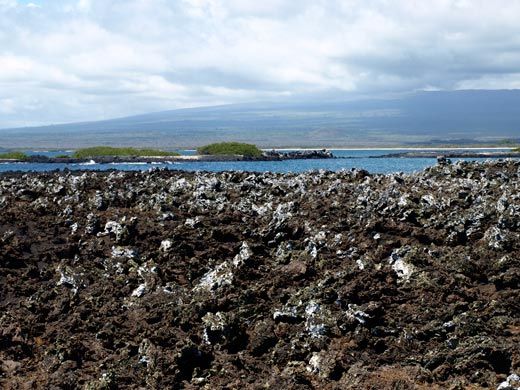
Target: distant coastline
<point>392,148</point>
<point>374,148</point>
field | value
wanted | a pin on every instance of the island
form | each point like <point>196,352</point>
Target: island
<point>224,151</point>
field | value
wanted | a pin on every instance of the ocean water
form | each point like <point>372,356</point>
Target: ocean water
<point>349,159</point>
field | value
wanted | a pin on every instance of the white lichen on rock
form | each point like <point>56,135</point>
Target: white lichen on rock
<point>357,314</point>
<point>288,313</point>
<point>221,276</point>
<point>139,291</point>
<point>403,269</point>
<point>243,256</point>
<point>192,222</point>
<point>213,323</point>
<point>314,363</point>
<point>74,228</point>
<point>497,239</point>
<point>146,353</point>
<point>147,273</point>
<point>113,227</point>
<point>361,264</point>
<point>69,279</point>
<point>123,252</point>
<point>314,323</point>
<point>511,383</point>
<point>165,245</point>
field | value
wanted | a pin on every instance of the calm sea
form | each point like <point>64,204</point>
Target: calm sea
<point>353,159</point>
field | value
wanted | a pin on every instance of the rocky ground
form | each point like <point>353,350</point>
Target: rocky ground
<point>155,280</point>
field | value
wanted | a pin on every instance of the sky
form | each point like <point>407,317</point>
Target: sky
<point>78,60</point>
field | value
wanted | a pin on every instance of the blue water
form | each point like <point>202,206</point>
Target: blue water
<point>354,159</point>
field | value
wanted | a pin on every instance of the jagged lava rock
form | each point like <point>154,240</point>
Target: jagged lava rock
<point>319,280</point>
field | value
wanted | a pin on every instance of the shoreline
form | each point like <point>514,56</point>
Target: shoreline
<point>266,156</point>
<point>392,148</point>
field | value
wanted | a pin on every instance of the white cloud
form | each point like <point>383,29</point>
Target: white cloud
<point>508,81</point>
<point>8,3</point>
<point>84,5</point>
<point>87,59</point>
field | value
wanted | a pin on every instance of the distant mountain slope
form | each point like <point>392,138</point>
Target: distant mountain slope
<point>424,117</point>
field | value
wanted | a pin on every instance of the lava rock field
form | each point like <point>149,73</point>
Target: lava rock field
<point>234,280</point>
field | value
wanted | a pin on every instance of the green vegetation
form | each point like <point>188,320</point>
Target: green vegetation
<point>98,151</point>
<point>13,156</point>
<point>62,156</point>
<point>230,148</point>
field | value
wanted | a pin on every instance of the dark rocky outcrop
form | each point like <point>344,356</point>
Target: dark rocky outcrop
<point>322,280</point>
<point>298,154</point>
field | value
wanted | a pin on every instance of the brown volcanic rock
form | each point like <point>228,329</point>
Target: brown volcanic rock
<point>340,280</point>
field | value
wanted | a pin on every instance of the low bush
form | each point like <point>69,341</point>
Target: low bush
<point>230,148</point>
<point>99,151</point>
<point>13,156</point>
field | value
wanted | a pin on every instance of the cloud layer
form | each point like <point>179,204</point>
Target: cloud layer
<point>91,59</point>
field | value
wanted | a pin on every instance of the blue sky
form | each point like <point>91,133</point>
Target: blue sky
<point>76,60</point>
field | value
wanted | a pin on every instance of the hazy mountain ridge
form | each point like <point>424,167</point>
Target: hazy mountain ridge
<point>424,117</point>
